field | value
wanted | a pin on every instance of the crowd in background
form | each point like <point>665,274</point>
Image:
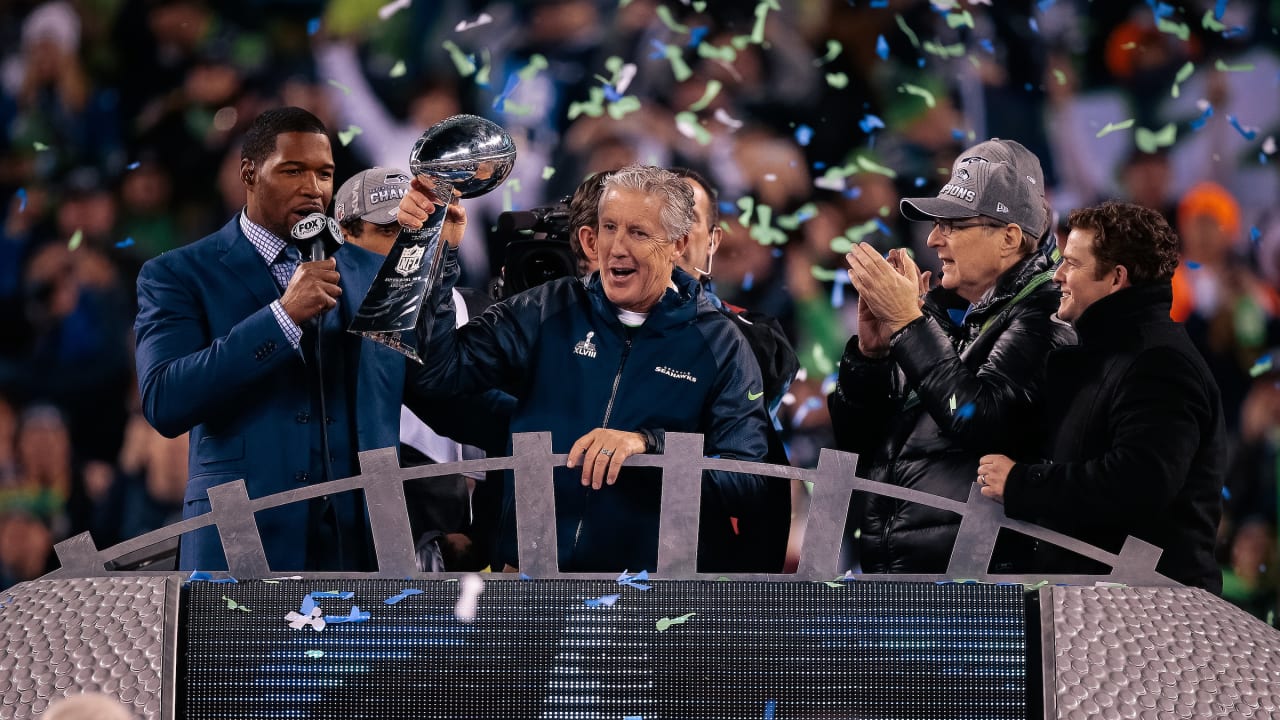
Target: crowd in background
<point>121,123</point>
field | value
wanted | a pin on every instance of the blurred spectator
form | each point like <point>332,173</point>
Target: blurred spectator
<point>1250,574</point>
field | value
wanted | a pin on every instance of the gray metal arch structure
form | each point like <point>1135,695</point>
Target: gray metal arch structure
<point>1139,645</point>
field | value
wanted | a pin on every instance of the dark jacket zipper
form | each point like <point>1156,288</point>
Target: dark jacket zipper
<point>608,410</point>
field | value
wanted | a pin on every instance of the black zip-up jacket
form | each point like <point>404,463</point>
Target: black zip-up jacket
<point>561,351</point>
<point>1139,443</point>
<point>946,395</point>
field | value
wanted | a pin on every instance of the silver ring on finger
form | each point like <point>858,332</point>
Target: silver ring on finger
<point>606,453</point>
<point>982,480</point>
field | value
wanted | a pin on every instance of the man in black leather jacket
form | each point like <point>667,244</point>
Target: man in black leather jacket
<point>1137,443</point>
<point>934,379</point>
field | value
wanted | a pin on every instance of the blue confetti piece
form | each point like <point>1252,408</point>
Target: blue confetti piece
<point>1204,118</point>
<point>1219,9</point>
<point>1226,493</point>
<point>1162,10</point>
<point>313,26</point>
<point>127,242</point>
<point>133,165</point>
<point>611,93</point>
<point>1028,87</point>
<point>1035,26</point>
<point>633,580</point>
<point>336,594</point>
<point>770,707</point>
<point>1193,265</point>
<point>308,604</point>
<point>408,592</point>
<point>727,208</point>
<point>1262,158</point>
<point>602,601</point>
<point>966,411</point>
<point>819,165</point>
<point>202,576</point>
<point>837,295</point>
<point>500,102</point>
<point>853,193</point>
<point>1232,32</point>
<point>957,134</point>
<point>920,62</point>
<point>525,577</point>
<point>804,134</point>
<point>882,48</point>
<point>884,228</point>
<point>777,252</point>
<point>986,44</point>
<point>659,49</point>
<point>747,281</point>
<point>1246,134</point>
<point>356,615</point>
<point>1255,234</point>
<point>869,123</point>
<point>22,200</point>
<point>697,34</point>
<point>919,182</point>
<point>879,3</point>
<point>1045,5</point>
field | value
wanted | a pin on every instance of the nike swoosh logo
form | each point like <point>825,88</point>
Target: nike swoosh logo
<point>754,396</point>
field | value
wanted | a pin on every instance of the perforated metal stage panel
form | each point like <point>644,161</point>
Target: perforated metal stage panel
<point>537,650</point>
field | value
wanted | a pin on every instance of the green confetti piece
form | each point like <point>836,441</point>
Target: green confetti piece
<point>537,63</point>
<point>518,109</point>
<point>919,92</point>
<point>1211,23</point>
<point>272,582</point>
<point>1112,127</point>
<point>906,30</point>
<point>763,231</point>
<point>747,205</point>
<point>1222,66</point>
<point>960,19</point>
<point>623,106</point>
<point>39,146</point>
<point>841,244</point>
<point>76,238</point>
<point>398,70</point>
<point>944,51</point>
<point>808,487</point>
<point>716,52</point>
<point>1038,585</point>
<point>461,60</point>
<point>482,75</point>
<point>699,6</point>
<point>1148,141</point>
<point>834,48</point>
<point>233,605</point>
<point>857,232</point>
<point>315,653</point>
<point>688,123</point>
<point>822,273</point>
<point>1176,29</point>
<point>345,90</point>
<point>667,622</point>
<point>762,14</point>
<point>664,14</point>
<point>838,80</point>
<point>1261,367</point>
<point>799,217</point>
<point>1184,72</point>
<point>1060,76</point>
<point>346,136</point>
<point>873,167</point>
<point>593,106</point>
<point>548,172</point>
<point>679,67</point>
<point>821,362</point>
<point>713,89</point>
<point>857,534</point>
<point>833,584</point>
<point>952,404</point>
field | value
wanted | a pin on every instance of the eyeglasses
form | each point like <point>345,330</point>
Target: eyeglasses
<point>946,227</point>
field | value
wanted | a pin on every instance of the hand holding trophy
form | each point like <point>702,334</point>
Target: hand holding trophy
<point>466,154</point>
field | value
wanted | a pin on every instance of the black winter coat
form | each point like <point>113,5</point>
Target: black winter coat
<point>947,394</point>
<point>1140,446</point>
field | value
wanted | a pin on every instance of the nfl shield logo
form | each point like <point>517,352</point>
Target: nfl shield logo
<point>411,260</point>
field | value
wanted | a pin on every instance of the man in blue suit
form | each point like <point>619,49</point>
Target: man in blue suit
<point>226,342</point>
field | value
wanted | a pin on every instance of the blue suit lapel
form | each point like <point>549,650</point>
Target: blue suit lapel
<point>240,257</point>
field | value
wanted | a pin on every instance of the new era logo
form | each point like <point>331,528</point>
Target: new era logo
<point>1000,207</point>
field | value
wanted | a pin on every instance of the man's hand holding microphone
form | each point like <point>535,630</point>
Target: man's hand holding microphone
<point>313,289</point>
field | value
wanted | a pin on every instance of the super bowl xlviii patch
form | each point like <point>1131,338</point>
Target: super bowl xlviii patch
<point>585,347</point>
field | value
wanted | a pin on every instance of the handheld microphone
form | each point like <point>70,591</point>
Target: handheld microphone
<point>317,235</point>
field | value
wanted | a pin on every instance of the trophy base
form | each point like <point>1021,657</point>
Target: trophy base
<point>392,340</point>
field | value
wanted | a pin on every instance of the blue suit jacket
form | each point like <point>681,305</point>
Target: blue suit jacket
<point>213,360</point>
